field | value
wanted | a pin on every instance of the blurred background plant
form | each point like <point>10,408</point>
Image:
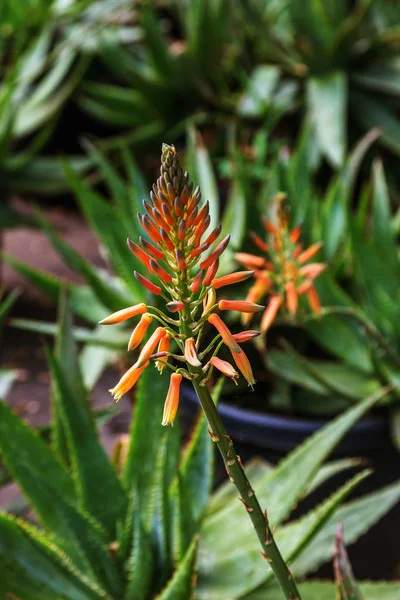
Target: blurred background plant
<point>163,526</point>
<point>142,71</point>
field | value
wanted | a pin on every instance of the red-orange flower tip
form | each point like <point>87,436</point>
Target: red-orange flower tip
<point>175,306</point>
<point>138,252</point>
<point>216,253</point>
<point>146,283</point>
<point>231,279</point>
<point>172,400</point>
<point>225,368</point>
<point>240,305</point>
<point>223,330</point>
<point>291,297</point>
<point>190,353</point>
<point>127,381</point>
<point>123,315</point>
<point>140,331</point>
<point>245,336</point>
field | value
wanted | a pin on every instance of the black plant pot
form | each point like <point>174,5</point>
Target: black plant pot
<point>284,433</point>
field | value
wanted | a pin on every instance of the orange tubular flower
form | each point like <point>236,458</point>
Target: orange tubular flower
<point>225,368</point>
<point>149,285</point>
<point>272,310</point>
<point>139,253</point>
<point>140,331</point>
<point>291,297</point>
<point>163,346</point>
<point>243,364</point>
<point>250,260</point>
<point>230,279</point>
<point>196,283</point>
<point>175,306</point>
<point>223,330</point>
<point>240,305</point>
<point>151,249</point>
<point>259,241</point>
<point>190,353</point>
<point>176,221</point>
<point>172,401</point>
<point>124,314</point>
<point>282,273</point>
<point>313,300</point>
<point>309,253</point>
<point>127,381</point>
<point>150,345</point>
<point>216,253</point>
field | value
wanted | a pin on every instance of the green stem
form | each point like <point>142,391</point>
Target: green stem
<point>235,470</point>
<point>232,461</point>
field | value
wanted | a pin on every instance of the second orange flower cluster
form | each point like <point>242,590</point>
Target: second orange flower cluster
<point>283,273</point>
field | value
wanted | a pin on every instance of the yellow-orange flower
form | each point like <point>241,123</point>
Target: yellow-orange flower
<point>172,401</point>
<point>124,314</point>
<point>163,346</point>
<point>127,381</point>
<point>150,346</point>
<point>140,331</point>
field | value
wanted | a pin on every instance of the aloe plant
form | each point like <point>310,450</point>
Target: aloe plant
<point>142,524</point>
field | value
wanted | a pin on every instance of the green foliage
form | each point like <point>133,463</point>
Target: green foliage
<point>118,530</point>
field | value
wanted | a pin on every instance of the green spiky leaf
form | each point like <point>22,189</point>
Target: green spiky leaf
<point>182,584</point>
<point>35,569</point>
<point>283,486</point>
<point>237,570</point>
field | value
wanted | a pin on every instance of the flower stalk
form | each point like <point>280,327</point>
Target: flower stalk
<point>185,267</point>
